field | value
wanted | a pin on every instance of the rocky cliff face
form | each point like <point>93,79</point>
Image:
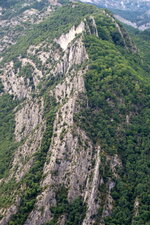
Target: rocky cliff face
<point>56,164</point>
<point>72,160</point>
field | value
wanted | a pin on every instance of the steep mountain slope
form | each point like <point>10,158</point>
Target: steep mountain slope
<point>138,18</point>
<point>74,140</point>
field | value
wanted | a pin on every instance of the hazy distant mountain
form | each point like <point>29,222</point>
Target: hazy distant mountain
<point>124,4</point>
<point>135,13</point>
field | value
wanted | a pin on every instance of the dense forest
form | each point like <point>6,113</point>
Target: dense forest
<point>118,118</point>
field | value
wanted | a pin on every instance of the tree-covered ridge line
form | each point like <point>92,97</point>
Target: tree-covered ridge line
<point>117,118</point>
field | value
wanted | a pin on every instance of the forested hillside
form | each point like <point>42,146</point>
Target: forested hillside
<point>75,122</point>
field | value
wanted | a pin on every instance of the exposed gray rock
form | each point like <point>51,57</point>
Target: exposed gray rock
<point>28,117</point>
